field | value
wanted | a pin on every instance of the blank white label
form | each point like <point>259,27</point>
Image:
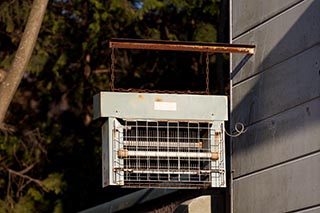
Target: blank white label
<point>165,106</point>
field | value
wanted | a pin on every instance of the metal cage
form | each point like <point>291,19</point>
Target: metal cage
<point>162,140</point>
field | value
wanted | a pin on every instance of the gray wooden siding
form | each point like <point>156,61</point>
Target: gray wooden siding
<point>250,13</point>
<point>278,88</point>
<point>280,38</point>
<point>276,94</point>
<point>284,188</point>
<point>278,139</point>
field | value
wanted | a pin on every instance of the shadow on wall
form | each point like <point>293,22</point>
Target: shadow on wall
<point>276,93</point>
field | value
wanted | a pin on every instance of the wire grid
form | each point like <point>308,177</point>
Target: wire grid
<point>171,154</point>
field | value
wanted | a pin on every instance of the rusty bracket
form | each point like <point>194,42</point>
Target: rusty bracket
<point>122,43</point>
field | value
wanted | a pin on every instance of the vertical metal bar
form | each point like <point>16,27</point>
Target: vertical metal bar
<point>189,163</point>
<point>137,139</point>
<point>147,158</point>
<point>198,138</point>
<point>168,161</point>
<point>158,139</point>
<point>179,159</point>
<point>213,164</point>
<point>222,155</point>
<point>126,161</point>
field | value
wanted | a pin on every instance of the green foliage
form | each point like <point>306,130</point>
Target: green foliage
<point>21,168</point>
<point>14,14</point>
<point>205,32</point>
<point>54,183</point>
<point>50,161</point>
<point>58,208</point>
<point>24,205</point>
<point>3,206</point>
<point>35,194</point>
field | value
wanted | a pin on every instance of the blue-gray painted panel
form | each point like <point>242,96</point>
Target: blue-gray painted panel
<point>286,188</point>
<point>277,92</point>
<point>249,13</point>
<point>280,138</point>
<point>277,40</point>
<point>160,106</point>
<point>283,86</point>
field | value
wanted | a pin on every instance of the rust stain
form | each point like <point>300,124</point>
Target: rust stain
<point>140,97</point>
<point>217,138</point>
<point>158,100</point>
<point>214,155</point>
<point>183,46</point>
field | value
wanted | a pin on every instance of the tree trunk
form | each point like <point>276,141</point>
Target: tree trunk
<point>11,82</point>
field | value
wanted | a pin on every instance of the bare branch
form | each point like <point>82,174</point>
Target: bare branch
<point>5,128</point>
<point>27,169</point>
<point>36,181</point>
<point>22,186</point>
<point>9,198</point>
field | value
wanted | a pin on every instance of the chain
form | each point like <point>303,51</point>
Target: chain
<point>112,69</point>
<point>207,73</point>
<point>159,91</point>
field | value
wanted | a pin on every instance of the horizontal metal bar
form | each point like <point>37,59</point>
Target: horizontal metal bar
<point>181,46</point>
<point>164,144</point>
<point>127,153</point>
<point>168,185</point>
<point>171,171</point>
<point>161,171</point>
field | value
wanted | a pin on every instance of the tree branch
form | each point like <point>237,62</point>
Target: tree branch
<point>11,82</point>
<point>38,182</point>
<point>27,169</point>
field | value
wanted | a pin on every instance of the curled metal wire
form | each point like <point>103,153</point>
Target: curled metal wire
<point>239,129</point>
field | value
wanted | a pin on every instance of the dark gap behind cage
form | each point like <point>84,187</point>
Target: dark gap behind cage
<point>158,71</point>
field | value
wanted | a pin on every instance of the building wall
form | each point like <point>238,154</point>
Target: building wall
<point>276,94</point>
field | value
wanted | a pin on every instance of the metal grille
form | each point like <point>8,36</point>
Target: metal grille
<point>162,140</point>
<point>167,154</point>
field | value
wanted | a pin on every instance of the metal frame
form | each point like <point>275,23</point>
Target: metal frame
<point>181,46</point>
<point>162,140</point>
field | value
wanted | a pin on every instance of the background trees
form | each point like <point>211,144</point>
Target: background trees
<point>50,150</point>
